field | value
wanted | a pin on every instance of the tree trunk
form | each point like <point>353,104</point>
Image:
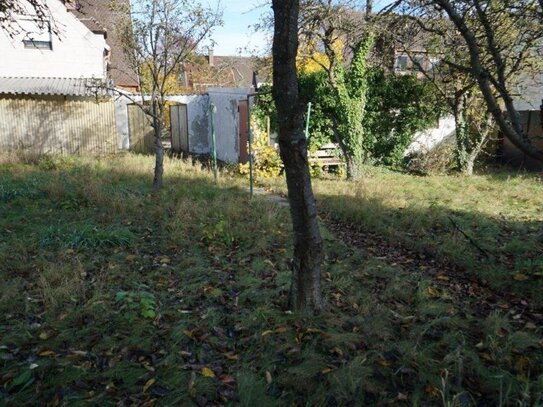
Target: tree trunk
<point>159,148</point>
<point>468,165</point>
<point>462,152</point>
<point>308,247</point>
<point>353,168</point>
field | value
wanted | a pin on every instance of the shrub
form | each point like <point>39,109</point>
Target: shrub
<point>266,160</point>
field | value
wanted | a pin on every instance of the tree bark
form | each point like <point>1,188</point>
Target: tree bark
<point>159,148</point>
<point>308,247</point>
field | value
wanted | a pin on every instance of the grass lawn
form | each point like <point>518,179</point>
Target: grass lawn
<point>112,296</point>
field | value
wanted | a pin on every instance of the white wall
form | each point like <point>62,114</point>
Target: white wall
<point>77,52</point>
<point>199,126</point>
<point>198,121</point>
<point>227,121</point>
<point>426,140</point>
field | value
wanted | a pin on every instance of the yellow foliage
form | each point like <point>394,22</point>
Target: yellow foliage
<point>311,60</point>
<point>171,84</point>
<point>267,163</point>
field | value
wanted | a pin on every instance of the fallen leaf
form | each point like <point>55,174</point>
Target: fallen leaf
<point>231,356</point>
<point>46,353</point>
<point>281,330</point>
<point>432,292</point>
<point>227,379</point>
<point>268,377</point>
<point>266,333</point>
<point>326,370</point>
<point>165,260</point>
<point>485,356</point>
<point>520,277</point>
<point>148,384</point>
<point>44,335</point>
<point>432,391</point>
<point>385,363</point>
<point>207,372</point>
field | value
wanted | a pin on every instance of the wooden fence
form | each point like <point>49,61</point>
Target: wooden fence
<point>57,125</point>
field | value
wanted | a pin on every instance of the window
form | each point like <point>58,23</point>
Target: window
<point>37,33</point>
<point>401,63</point>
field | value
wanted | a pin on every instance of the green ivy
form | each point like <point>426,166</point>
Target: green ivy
<point>397,108</point>
<point>377,114</point>
<point>264,108</point>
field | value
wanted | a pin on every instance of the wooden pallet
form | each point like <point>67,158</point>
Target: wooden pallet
<point>326,157</point>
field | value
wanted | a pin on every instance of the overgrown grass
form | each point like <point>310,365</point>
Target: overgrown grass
<point>487,224</point>
<point>110,295</point>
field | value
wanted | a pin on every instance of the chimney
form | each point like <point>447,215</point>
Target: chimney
<point>210,57</point>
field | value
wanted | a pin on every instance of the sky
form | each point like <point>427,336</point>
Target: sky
<point>236,37</point>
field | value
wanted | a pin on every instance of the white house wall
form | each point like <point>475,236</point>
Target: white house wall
<point>76,51</point>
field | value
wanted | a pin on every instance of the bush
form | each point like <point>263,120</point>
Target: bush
<point>266,163</point>
<point>440,160</point>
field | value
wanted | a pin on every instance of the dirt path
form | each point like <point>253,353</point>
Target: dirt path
<point>467,290</point>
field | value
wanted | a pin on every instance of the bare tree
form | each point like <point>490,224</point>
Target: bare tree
<point>308,247</point>
<point>9,9</point>
<point>502,38</point>
<point>157,40</point>
<point>435,50</point>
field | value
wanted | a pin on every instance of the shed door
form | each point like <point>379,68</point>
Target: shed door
<point>243,131</point>
<point>141,133</point>
<point>180,129</point>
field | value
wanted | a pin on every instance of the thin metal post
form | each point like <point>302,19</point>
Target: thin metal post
<point>307,120</point>
<point>212,110</point>
<point>250,140</point>
<point>268,128</point>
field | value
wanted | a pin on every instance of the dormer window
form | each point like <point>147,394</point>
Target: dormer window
<point>36,33</point>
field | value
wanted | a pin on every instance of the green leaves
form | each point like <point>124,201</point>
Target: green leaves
<point>137,302</point>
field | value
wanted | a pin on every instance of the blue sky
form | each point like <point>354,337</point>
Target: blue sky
<point>237,37</point>
<point>236,34</point>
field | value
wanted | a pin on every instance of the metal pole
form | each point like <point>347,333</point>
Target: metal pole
<point>307,120</point>
<point>250,136</point>
<point>212,110</point>
<point>268,128</point>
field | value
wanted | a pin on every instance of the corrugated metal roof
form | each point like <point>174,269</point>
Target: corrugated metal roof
<point>53,86</point>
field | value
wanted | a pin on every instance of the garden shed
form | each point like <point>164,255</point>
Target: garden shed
<point>56,116</point>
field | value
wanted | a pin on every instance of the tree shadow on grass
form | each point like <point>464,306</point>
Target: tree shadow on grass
<point>503,252</point>
<point>191,309</point>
